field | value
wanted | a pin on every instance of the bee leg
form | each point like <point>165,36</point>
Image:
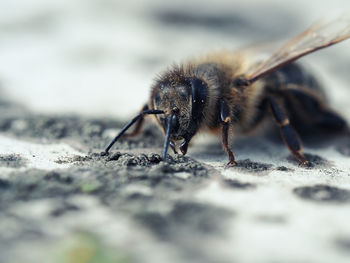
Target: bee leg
<point>289,136</point>
<point>226,119</point>
<point>129,124</point>
<point>231,157</point>
<point>173,146</point>
<point>138,125</point>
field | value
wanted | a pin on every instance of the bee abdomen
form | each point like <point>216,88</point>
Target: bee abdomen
<point>291,74</point>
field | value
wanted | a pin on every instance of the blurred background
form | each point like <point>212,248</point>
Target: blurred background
<point>99,57</point>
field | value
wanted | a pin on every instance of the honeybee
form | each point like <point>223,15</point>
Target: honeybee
<point>232,93</point>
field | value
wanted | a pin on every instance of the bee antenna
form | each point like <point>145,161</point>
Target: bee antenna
<point>167,135</point>
<point>127,126</point>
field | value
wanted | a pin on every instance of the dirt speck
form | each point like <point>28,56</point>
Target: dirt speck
<point>202,217</point>
<point>62,208</point>
<point>12,160</point>
<point>185,217</point>
<point>284,169</point>
<point>235,184</point>
<point>253,167</point>
<point>323,193</point>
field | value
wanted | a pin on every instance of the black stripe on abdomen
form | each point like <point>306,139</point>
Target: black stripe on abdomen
<point>294,74</point>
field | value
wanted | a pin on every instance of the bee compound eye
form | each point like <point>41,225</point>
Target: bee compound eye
<point>199,91</point>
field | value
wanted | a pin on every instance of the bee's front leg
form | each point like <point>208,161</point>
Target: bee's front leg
<point>226,119</point>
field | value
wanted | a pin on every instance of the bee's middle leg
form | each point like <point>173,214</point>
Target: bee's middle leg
<point>138,126</point>
<point>288,134</point>
<point>226,119</point>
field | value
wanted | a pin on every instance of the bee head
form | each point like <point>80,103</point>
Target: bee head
<point>183,101</point>
<point>176,100</point>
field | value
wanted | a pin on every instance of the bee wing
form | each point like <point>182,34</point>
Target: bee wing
<point>318,36</point>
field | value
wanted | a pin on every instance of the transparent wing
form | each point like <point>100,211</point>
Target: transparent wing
<point>318,36</point>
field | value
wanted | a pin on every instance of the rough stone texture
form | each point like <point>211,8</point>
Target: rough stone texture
<point>73,72</point>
